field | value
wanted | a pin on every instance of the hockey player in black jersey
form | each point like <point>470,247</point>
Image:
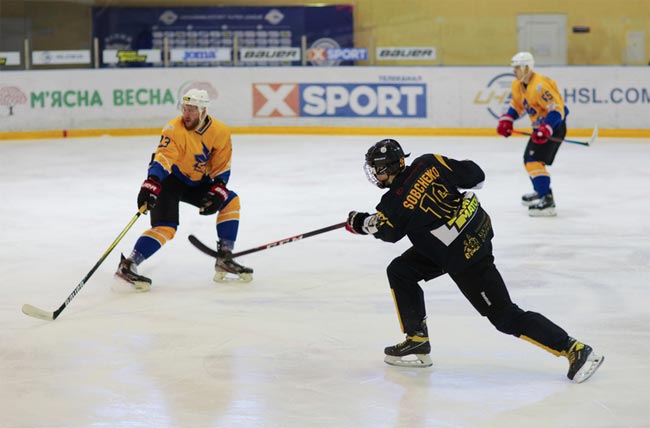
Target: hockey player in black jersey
<point>427,201</point>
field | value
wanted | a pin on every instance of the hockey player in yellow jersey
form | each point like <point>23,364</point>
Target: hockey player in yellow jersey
<point>539,97</point>
<point>191,165</point>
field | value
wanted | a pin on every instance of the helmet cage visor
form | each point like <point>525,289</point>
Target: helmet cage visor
<point>371,174</point>
<point>373,168</point>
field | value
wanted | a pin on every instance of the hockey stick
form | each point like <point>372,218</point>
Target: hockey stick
<point>35,312</point>
<point>211,252</point>
<point>593,137</point>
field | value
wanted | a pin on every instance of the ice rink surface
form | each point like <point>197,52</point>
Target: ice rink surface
<point>302,345</point>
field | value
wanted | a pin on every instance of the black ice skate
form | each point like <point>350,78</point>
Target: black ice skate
<point>226,265</point>
<point>583,361</point>
<point>544,207</point>
<point>530,199</point>
<point>128,271</point>
<point>413,352</point>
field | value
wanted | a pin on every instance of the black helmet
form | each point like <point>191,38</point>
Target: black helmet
<point>384,157</point>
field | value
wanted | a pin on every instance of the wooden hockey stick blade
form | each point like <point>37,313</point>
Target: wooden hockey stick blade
<point>35,312</point>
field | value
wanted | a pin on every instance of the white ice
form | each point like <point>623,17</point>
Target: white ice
<point>302,345</point>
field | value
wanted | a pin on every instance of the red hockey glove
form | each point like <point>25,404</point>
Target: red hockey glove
<point>355,222</point>
<point>541,135</point>
<point>213,200</point>
<point>149,192</point>
<point>505,125</point>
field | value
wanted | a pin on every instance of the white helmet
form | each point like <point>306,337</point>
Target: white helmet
<point>522,59</point>
<point>196,97</point>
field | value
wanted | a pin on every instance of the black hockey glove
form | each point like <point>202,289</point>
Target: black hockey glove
<point>213,200</point>
<point>149,192</point>
<point>355,222</point>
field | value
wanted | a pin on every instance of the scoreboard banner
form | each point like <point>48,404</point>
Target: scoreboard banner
<point>134,29</point>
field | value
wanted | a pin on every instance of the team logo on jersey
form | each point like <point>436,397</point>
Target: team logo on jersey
<point>340,100</point>
<point>202,158</point>
<point>470,246</point>
<point>496,95</point>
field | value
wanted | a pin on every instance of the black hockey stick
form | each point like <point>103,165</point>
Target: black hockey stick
<point>35,312</point>
<point>594,135</point>
<point>211,252</point>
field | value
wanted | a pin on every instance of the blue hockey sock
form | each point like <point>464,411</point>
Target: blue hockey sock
<point>542,184</point>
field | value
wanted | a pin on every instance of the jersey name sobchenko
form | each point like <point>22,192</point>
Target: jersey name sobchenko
<point>420,187</point>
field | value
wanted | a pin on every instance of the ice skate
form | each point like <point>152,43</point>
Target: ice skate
<point>530,199</point>
<point>128,271</point>
<point>545,207</point>
<point>583,361</point>
<point>413,352</point>
<point>226,265</point>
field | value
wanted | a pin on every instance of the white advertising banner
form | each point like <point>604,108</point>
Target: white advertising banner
<point>114,56</point>
<point>188,55</point>
<point>432,97</point>
<point>61,57</point>
<point>9,58</point>
<point>422,53</point>
<point>269,54</point>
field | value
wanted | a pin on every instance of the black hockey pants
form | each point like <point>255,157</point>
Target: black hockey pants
<point>545,152</point>
<point>483,286</point>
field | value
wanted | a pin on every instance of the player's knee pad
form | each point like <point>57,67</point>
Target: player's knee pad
<point>230,209</point>
<point>162,234</point>
<point>507,319</point>
<point>400,273</point>
<point>393,270</point>
<point>536,169</point>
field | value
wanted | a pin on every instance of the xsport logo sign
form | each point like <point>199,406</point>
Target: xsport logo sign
<point>339,100</point>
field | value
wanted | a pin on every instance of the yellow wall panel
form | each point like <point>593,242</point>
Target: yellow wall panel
<point>464,32</point>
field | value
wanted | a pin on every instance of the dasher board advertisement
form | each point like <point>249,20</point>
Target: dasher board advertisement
<point>407,97</point>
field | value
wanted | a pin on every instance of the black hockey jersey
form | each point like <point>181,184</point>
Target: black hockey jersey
<point>427,203</point>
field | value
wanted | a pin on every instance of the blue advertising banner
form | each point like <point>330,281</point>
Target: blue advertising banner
<point>197,36</point>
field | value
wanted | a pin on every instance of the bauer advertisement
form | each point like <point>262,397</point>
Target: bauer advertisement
<point>407,97</point>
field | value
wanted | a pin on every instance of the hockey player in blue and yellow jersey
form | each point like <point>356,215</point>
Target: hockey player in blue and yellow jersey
<point>539,97</point>
<point>192,165</point>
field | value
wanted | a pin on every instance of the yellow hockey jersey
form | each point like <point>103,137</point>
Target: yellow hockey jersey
<point>540,97</point>
<point>193,155</point>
